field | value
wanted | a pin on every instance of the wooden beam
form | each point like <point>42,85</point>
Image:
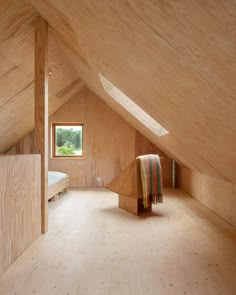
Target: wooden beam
<point>41,110</point>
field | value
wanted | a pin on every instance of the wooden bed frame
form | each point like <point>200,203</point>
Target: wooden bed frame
<point>58,187</point>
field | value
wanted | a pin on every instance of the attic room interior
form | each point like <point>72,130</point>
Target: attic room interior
<point>96,92</point>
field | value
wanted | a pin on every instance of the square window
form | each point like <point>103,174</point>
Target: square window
<point>67,140</point>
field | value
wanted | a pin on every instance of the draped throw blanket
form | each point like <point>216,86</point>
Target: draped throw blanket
<point>151,176</point>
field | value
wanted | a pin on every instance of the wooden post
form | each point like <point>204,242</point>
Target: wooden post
<point>41,111</point>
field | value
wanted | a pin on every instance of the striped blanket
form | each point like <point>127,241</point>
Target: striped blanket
<point>151,176</point>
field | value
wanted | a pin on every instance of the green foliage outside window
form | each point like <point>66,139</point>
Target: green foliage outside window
<point>68,140</point>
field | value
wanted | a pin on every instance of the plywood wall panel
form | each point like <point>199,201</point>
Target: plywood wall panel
<point>176,60</point>
<point>11,85</point>
<point>17,19</point>
<point>111,144</point>
<point>217,195</point>
<point>92,81</point>
<point>172,145</point>
<point>20,205</point>
<point>6,66</point>
<point>16,33</point>
<point>108,141</point>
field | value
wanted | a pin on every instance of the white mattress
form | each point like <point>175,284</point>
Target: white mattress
<point>55,176</point>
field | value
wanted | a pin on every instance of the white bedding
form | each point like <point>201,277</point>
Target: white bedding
<point>55,176</point>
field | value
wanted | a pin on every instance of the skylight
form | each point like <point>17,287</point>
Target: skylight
<point>132,107</point>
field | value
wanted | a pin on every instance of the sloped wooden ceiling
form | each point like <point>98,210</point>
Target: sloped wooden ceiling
<point>17,72</point>
<point>174,59</point>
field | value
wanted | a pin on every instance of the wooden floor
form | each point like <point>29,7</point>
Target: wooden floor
<point>93,247</point>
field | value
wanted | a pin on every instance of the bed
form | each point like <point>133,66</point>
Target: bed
<point>57,183</point>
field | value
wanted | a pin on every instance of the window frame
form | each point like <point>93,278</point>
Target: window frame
<point>53,140</point>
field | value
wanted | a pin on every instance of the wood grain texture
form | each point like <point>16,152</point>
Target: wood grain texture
<point>24,146</point>
<point>217,195</point>
<point>64,82</point>
<point>89,107</point>
<point>128,182</point>
<point>20,206</point>
<point>175,60</point>
<point>181,247</point>
<point>133,205</point>
<point>109,142</point>
<point>58,187</point>
<point>17,19</point>
<point>41,111</point>
<point>129,187</point>
<point>16,49</point>
<point>92,80</point>
<point>17,33</point>
<point>128,204</point>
